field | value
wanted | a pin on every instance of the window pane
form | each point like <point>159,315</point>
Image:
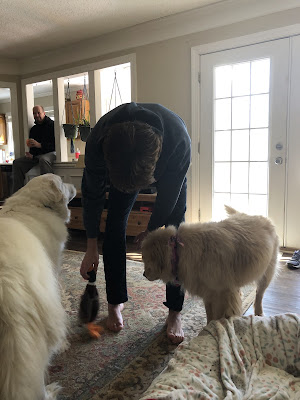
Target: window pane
<point>260,76</point>
<point>223,114</point>
<point>258,204</point>
<point>239,177</point>
<point>219,200</point>
<point>222,146</point>
<point>222,177</point>
<point>240,145</point>
<point>260,111</point>
<point>115,86</point>
<point>258,178</point>
<point>241,137</point>
<point>240,112</point>
<point>259,142</point>
<point>240,202</point>
<point>241,79</point>
<point>223,81</point>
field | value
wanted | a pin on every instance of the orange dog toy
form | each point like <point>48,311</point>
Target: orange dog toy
<point>94,330</point>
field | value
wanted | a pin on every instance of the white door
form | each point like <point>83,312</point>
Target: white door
<point>292,232</point>
<point>243,131</point>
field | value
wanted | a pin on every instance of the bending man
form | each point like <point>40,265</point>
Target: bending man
<point>135,145</point>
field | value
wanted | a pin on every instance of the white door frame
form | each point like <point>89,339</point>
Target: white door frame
<point>14,115</point>
<point>196,52</point>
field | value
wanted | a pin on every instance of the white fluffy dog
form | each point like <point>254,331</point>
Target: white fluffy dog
<point>214,260</point>
<point>32,319</point>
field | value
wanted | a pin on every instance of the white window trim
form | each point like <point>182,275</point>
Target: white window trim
<point>14,114</point>
<point>56,77</point>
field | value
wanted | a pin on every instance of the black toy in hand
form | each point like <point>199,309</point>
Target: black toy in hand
<point>89,303</point>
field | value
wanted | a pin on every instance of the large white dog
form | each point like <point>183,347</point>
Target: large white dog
<point>214,260</point>
<point>32,320</point>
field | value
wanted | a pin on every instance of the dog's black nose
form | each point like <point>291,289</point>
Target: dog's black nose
<point>144,274</point>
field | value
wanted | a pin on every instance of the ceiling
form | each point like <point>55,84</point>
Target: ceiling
<point>29,28</point>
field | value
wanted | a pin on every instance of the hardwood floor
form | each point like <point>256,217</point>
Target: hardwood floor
<point>282,296</point>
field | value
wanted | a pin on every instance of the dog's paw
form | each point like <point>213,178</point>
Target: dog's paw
<point>65,345</point>
<point>52,391</point>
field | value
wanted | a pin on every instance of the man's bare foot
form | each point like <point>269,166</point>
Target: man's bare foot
<point>115,319</point>
<point>174,330</point>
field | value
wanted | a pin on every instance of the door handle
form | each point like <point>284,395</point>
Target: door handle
<point>278,160</point>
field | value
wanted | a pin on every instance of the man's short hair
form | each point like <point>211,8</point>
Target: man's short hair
<point>38,106</point>
<point>131,150</point>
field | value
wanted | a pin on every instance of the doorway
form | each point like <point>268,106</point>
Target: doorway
<point>244,110</point>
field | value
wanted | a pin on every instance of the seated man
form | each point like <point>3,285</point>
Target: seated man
<point>41,145</point>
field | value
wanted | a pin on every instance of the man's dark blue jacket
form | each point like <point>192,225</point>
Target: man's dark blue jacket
<point>170,171</point>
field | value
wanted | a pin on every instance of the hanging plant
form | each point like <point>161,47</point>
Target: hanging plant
<point>71,132</point>
<point>84,129</point>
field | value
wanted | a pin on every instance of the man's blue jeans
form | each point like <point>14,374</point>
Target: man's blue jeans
<point>114,247</point>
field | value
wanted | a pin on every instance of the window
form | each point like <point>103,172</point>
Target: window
<point>241,132</point>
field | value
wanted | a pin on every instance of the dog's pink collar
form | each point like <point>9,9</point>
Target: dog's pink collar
<point>174,241</point>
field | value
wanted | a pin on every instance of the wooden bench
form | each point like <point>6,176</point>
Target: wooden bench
<point>137,221</point>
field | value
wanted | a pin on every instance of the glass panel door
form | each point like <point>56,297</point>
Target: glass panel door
<point>241,139</point>
<point>243,131</point>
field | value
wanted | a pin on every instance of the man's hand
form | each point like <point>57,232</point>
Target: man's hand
<point>90,260</point>
<point>28,155</point>
<point>33,143</point>
<point>140,237</point>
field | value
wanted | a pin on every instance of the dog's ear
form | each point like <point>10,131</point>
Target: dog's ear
<point>49,191</point>
<point>60,194</point>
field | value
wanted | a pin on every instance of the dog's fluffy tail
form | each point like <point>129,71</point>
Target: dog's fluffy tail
<point>230,210</point>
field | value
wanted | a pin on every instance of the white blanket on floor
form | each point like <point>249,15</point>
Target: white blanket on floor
<point>253,358</point>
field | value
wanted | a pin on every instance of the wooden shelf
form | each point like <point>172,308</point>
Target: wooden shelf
<point>76,110</point>
<point>137,220</point>
<point>3,137</point>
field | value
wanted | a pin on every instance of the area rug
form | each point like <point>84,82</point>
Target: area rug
<point>120,365</point>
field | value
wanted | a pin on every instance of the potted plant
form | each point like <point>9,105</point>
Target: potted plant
<point>71,131</point>
<point>84,129</point>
